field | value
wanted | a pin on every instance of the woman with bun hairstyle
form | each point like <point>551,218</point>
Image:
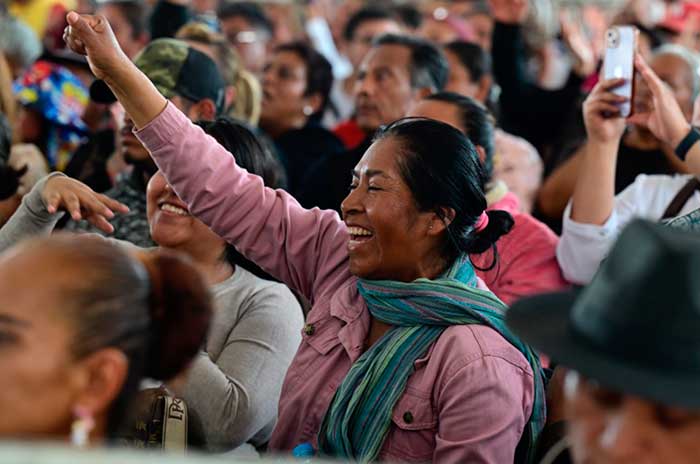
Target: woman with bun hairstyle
<point>74,353</point>
<point>233,389</point>
<point>405,355</point>
<point>527,262</point>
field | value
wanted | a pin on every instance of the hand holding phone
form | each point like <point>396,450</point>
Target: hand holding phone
<point>620,50</point>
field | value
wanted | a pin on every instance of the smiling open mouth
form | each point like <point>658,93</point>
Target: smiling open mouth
<point>359,234</point>
<point>174,209</point>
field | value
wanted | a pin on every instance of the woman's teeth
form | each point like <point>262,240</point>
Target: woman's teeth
<point>174,209</point>
<point>359,231</point>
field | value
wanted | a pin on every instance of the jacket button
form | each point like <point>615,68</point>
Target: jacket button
<point>309,329</point>
<point>408,417</point>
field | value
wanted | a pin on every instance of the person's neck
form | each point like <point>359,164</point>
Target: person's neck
<point>207,260</point>
<point>430,267</point>
<point>642,140</point>
<point>277,129</point>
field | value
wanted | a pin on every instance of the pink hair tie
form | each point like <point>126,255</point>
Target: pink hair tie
<point>481,223</point>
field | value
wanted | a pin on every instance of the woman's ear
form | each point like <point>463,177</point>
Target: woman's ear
<point>204,110</point>
<point>314,101</point>
<point>230,96</point>
<point>440,222</point>
<point>102,378</point>
<point>484,89</point>
<point>481,152</point>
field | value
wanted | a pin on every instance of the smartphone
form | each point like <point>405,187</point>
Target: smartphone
<point>620,48</point>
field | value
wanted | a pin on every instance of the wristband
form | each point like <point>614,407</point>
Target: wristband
<point>687,143</point>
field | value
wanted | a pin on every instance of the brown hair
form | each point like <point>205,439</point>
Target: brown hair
<point>246,105</point>
<point>153,306</point>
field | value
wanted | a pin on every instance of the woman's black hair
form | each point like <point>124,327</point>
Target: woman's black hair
<point>239,139</point>
<point>442,169</point>
<point>319,74</point>
<point>477,122</point>
<point>366,14</point>
<point>479,64</point>
<point>473,57</point>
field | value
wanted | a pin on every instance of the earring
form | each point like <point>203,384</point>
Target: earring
<point>308,111</point>
<point>81,428</point>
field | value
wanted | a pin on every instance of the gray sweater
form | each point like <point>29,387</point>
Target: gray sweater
<point>233,388</point>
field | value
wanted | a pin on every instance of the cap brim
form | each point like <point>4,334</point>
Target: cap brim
<point>543,322</point>
<point>101,93</point>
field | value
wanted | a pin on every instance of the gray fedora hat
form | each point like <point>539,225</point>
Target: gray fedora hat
<point>636,327</point>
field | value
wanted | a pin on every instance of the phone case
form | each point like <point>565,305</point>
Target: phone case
<point>620,48</point>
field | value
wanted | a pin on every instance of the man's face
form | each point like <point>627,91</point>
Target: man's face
<point>251,43</point>
<point>133,152</point>
<point>365,33</point>
<point>383,92</point>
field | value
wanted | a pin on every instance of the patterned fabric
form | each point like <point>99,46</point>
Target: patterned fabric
<point>60,98</point>
<point>359,416</point>
<point>689,223</point>
<point>131,227</point>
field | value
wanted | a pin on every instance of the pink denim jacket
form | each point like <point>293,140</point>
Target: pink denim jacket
<point>470,396</point>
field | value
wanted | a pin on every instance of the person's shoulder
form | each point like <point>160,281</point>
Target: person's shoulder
<point>461,345</point>
<point>243,285</point>
<point>647,182</point>
<point>312,137</point>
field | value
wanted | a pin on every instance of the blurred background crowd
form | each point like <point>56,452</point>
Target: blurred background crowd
<point>297,91</point>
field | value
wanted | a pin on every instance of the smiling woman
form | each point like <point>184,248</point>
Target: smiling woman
<point>248,329</point>
<point>405,356</point>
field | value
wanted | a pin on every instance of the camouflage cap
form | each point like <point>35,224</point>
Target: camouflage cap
<point>176,69</point>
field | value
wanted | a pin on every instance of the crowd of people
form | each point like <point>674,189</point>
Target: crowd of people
<point>348,230</point>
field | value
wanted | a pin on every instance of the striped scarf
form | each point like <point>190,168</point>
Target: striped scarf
<point>359,417</point>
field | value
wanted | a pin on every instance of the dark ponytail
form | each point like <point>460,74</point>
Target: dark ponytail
<point>178,300</point>
<point>154,307</point>
<point>442,169</point>
<point>500,223</point>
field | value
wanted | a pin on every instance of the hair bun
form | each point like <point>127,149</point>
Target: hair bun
<point>500,223</point>
<point>181,309</point>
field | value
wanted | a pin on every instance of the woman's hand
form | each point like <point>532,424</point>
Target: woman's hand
<point>81,202</point>
<point>579,45</point>
<point>665,119</point>
<point>92,36</point>
<point>601,113</point>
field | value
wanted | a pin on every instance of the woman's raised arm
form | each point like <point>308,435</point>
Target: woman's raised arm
<point>92,36</point>
<point>305,249</point>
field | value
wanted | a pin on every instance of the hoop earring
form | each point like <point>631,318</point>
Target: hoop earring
<point>81,427</point>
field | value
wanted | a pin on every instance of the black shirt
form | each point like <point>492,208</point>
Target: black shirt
<point>300,149</point>
<point>632,162</point>
<point>328,181</point>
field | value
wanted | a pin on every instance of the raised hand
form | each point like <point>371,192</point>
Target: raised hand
<point>81,202</point>
<point>92,36</point>
<point>510,11</point>
<point>601,112</point>
<point>580,46</point>
<point>665,119</point>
